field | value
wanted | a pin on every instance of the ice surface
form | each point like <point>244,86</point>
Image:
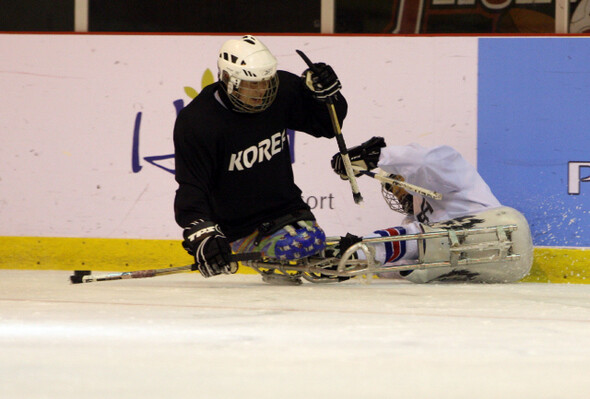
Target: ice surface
<point>182,336</point>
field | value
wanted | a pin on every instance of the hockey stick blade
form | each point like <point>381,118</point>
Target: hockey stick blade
<point>307,60</point>
<point>80,277</point>
<point>408,186</point>
<point>356,194</point>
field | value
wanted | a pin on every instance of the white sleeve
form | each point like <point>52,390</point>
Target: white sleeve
<point>444,170</point>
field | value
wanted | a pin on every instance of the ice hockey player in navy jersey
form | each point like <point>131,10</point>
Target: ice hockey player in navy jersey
<point>236,189</point>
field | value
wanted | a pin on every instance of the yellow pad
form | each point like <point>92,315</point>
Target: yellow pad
<point>551,265</point>
<point>62,253</point>
<point>560,265</point>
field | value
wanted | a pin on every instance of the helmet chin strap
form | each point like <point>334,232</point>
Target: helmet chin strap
<point>232,85</point>
<point>223,98</point>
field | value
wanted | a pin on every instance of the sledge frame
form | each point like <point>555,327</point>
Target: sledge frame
<point>328,269</point>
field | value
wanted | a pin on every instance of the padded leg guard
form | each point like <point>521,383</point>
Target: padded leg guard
<point>495,246</point>
<point>293,241</point>
<point>304,239</point>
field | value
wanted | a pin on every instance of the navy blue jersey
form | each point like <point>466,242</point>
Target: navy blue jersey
<point>235,168</point>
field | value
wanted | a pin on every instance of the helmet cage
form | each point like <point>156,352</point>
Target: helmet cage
<point>398,199</point>
<point>250,96</point>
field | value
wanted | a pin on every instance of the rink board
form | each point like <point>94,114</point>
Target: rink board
<point>87,150</point>
<point>533,136</point>
<point>87,133</point>
<point>551,265</point>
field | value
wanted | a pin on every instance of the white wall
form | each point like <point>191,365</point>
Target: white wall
<point>69,104</point>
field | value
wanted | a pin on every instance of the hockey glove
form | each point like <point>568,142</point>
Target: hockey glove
<point>205,241</point>
<point>322,82</point>
<point>365,156</point>
<point>338,250</point>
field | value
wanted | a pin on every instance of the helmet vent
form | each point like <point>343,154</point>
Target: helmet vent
<point>248,40</point>
<point>234,59</point>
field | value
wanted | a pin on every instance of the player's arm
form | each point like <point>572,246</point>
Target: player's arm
<point>194,164</point>
<point>203,238</point>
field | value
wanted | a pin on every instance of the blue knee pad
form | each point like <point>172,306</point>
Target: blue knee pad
<point>302,239</point>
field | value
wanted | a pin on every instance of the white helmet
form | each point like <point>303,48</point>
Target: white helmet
<point>248,74</point>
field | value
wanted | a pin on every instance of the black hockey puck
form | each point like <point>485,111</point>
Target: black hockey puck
<point>76,278</point>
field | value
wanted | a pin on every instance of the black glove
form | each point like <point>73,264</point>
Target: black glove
<point>322,82</point>
<point>365,156</point>
<point>205,241</point>
<point>338,250</point>
<point>348,241</point>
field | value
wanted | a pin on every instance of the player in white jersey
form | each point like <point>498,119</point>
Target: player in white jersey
<point>467,202</point>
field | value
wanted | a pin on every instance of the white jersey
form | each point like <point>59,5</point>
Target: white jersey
<point>440,169</point>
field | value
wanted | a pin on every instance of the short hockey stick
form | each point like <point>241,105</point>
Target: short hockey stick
<point>85,277</point>
<point>356,194</point>
<point>408,186</point>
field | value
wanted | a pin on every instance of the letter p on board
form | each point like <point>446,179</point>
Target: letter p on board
<point>573,176</point>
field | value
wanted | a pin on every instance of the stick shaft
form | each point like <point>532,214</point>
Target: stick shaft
<point>339,138</point>
<point>157,272</point>
<point>412,187</point>
<point>344,153</point>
